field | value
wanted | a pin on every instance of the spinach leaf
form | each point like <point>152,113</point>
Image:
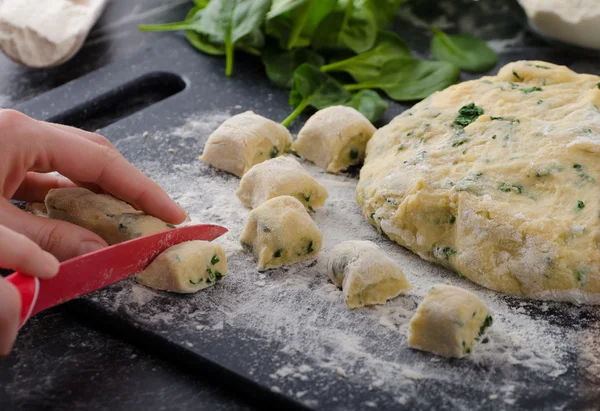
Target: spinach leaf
<point>411,79</point>
<point>467,52</point>
<point>468,114</point>
<point>313,88</point>
<point>365,66</point>
<point>351,28</point>
<point>383,10</point>
<point>201,3</point>
<point>293,22</point>
<point>369,103</point>
<point>280,66</point>
<point>231,21</point>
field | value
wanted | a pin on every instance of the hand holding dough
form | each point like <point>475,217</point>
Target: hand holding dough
<point>366,273</point>
<point>449,322</point>
<point>244,140</point>
<point>112,219</point>
<point>280,176</point>
<point>186,268</point>
<point>281,232</point>
<point>335,138</point>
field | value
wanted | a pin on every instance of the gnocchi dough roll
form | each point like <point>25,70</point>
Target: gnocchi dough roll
<point>186,268</point>
<point>280,176</point>
<point>365,273</point>
<point>112,219</point>
<point>244,140</point>
<point>449,322</point>
<point>335,138</point>
<point>280,232</point>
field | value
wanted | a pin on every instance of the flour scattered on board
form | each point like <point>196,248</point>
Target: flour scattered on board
<point>299,309</point>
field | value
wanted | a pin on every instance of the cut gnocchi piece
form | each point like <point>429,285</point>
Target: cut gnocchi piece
<point>280,232</point>
<point>186,268</point>
<point>244,140</point>
<point>365,273</point>
<point>449,322</point>
<point>335,138</point>
<point>280,176</point>
<point>112,219</point>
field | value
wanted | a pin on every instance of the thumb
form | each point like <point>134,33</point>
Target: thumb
<point>63,240</point>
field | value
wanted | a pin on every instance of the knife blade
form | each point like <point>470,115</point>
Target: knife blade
<point>90,272</point>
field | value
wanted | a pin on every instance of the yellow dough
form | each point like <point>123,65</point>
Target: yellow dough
<point>112,219</point>
<point>186,268</point>
<point>280,232</point>
<point>280,176</point>
<point>365,273</point>
<point>244,140</point>
<point>334,138</point>
<point>449,322</point>
<point>510,200</point>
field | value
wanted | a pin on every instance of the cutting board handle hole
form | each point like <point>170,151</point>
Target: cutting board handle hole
<point>122,101</point>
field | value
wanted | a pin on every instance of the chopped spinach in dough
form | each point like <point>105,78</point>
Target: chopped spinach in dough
<point>280,176</point>
<point>244,140</point>
<point>334,138</point>
<point>280,232</point>
<point>449,322</point>
<point>186,268</point>
<point>498,179</point>
<point>365,273</point>
<point>112,219</point>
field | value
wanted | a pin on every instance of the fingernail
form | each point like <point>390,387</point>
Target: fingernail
<point>89,247</point>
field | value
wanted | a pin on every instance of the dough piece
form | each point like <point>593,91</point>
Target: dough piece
<point>498,179</point>
<point>244,140</point>
<point>186,268</point>
<point>365,273</point>
<point>49,36</point>
<point>335,138</point>
<point>280,232</point>
<point>449,322</point>
<point>112,219</point>
<point>280,176</point>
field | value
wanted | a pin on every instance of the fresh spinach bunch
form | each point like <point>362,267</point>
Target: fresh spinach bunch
<point>296,38</point>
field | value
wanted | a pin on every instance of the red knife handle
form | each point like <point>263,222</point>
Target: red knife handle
<point>29,289</point>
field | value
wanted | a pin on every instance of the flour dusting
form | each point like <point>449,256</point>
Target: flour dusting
<point>316,337</point>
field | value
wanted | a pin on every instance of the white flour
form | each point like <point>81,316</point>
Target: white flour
<point>299,307</point>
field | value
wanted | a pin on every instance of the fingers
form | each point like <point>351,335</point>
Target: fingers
<point>59,238</point>
<point>22,254</point>
<point>96,138</point>
<point>10,309</point>
<point>35,186</point>
<point>85,161</point>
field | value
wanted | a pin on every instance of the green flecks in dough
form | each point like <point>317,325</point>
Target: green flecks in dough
<point>218,276</point>
<point>582,174</point>
<point>410,133</point>
<point>211,276</point>
<point>598,85</point>
<point>294,153</point>
<point>468,114</point>
<point>489,320</point>
<point>266,229</point>
<point>580,205</point>
<point>353,153</point>
<point>122,228</point>
<point>448,251</point>
<point>309,248</point>
<point>275,152</point>
<point>459,142</point>
<point>170,226</point>
<point>278,253</point>
<point>193,283</point>
<point>401,147</point>
<point>543,67</point>
<point>507,188</point>
<point>215,260</point>
<point>587,131</point>
<point>247,247</point>
<point>581,274</point>
<point>307,197</point>
<point>452,220</point>
<point>312,210</point>
<point>176,257</point>
<point>494,137</point>
<point>531,89</point>
<point>516,75</point>
<point>110,215</point>
<point>540,101</point>
<point>372,216</point>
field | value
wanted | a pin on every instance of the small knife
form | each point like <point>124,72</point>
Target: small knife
<point>82,275</point>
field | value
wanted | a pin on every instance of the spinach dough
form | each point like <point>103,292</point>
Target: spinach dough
<point>365,273</point>
<point>112,219</point>
<point>497,179</point>
<point>186,268</point>
<point>449,322</point>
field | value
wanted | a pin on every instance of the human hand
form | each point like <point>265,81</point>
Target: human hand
<point>29,150</point>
